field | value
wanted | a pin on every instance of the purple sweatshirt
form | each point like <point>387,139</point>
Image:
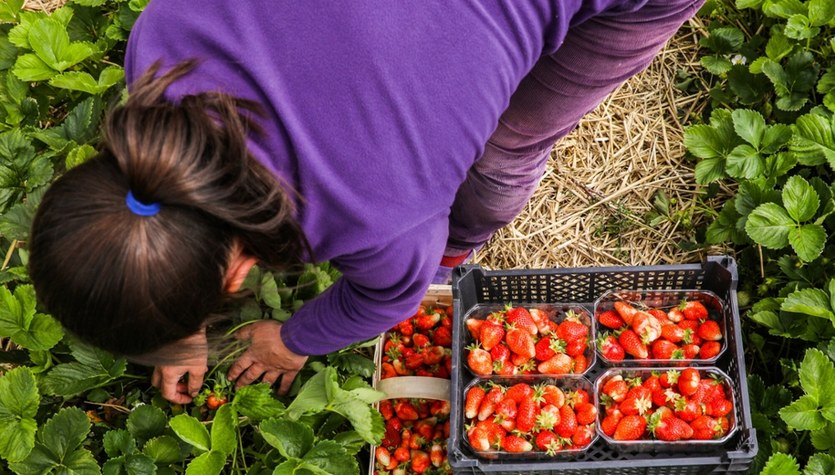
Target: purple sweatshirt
<point>375,112</point>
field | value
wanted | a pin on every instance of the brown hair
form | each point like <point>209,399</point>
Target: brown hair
<point>130,283</point>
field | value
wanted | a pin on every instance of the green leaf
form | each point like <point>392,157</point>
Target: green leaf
<point>814,140</point>
<point>779,164</point>
<point>745,162</point>
<point>79,155</point>
<point>82,81</point>
<point>781,464</point>
<point>826,83</point>
<point>21,170</point>
<point>163,450</point>
<point>18,320</point>
<point>146,422</point>
<point>366,420</point>
<point>778,46</point>
<point>313,396</point>
<point>824,438</point>
<point>750,125</point>
<point>800,199</point>
<point>94,367</point>
<point>816,373</point>
<point>710,170</point>
<point>742,4</point>
<point>288,467</point>
<point>292,439</point>
<point>256,402</point>
<point>776,137</point>
<point>786,8</point>
<point>716,65</point>
<point>224,433</point>
<point>58,447</point>
<point>803,414</point>
<point>119,442</point>
<point>209,463</point>
<point>814,302</point>
<point>799,27</point>
<point>30,68</point>
<point>191,431</point>
<point>820,464</point>
<point>705,141</point>
<point>51,42</point>
<point>331,458</point>
<point>10,10</point>
<point>19,401</point>
<point>723,40</point>
<point>821,12</point>
<point>808,241</point>
<point>769,224</point>
<point>352,363</point>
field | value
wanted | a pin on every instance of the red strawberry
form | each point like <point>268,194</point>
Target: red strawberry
<point>443,337</point>
<point>581,363</point>
<point>583,436</point>
<point>479,361</point>
<point>472,402</point>
<point>547,347</point>
<point>646,326</point>
<point>391,437</point>
<point>491,334</point>
<point>610,319</point>
<point>433,355</point>
<point>632,344</point>
<point>688,410</point>
<point>516,444</point>
<point>659,314</point>
<point>666,350</point>
<point>520,342</point>
<point>630,428</point>
<point>719,407</point>
<point>568,422</point>
<point>519,317</point>
<point>693,310</point>
<point>610,422</point>
<point>625,310</point>
<point>505,368</point>
<point>553,395</point>
<point>488,404</point>
<point>570,329</point>
<point>526,415</point>
<point>519,392</point>
<point>673,333</point>
<point>616,388</point>
<point>427,321</point>
<point>474,327</point>
<point>420,461</point>
<point>402,454</point>
<point>688,381</point>
<point>691,351</point>
<point>710,349</point>
<point>506,408</point>
<point>419,340</point>
<point>405,410</point>
<point>610,348</point>
<point>436,454</point>
<point>558,364</point>
<point>635,404</point>
<point>548,441</point>
<point>577,347</point>
<point>709,330</point>
<point>383,456</point>
<point>671,429</point>
<point>586,413</point>
<point>500,353</point>
<point>707,428</point>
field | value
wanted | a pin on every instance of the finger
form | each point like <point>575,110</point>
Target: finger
<point>156,378</point>
<point>251,374</point>
<point>244,333</point>
<point>270,377</point>
<point>238,367</point>
<point>170,388</point>
<point>286,381</point>
<point>195,381</point>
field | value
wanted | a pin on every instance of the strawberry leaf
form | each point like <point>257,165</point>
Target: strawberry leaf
<point>292,438</point>
<point>146,422</point>
<point>209,463</point>
<point>163,450</point>
<point>800,199</point>
<point>224,436</point>
<point>808,241</point>
<point>256,402</point>
<point>821,12</point>
<point>191,431</point>
<point>781,464</point>
<point>51,42</point>
<point>814,140</point>
<point>328,457</point>
<point>19,401</point>
<point>118,442</point>
<point>814,302</point>
<point>58,447</point>
<point>749,125</point>
<point>745,162</point>
<point>769,224</point>
<point>816,373</point>
<point>803,414</point>
<point>18,320</point>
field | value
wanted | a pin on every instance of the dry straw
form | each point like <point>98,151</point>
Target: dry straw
<point>592,205</point>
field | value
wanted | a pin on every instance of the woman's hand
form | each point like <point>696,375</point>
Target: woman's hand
<point>169,378</point>
<point>266,358</point>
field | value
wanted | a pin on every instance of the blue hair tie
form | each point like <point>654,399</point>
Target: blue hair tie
<point>139,208</point>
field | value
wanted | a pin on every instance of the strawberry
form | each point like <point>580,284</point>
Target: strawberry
<point>610,348</point>
<point>548,417</point>
<point>506,408</point>
<point>688,410</point>
<point>500,353</point>
<point>719,407</point>
<point>675,315</point>
<point>630,428</point>
<point>505,368</point>
<point>586,413</point>
<point>652,382</point>
<point>691,351</point>
<point>442,336</point>
<point>559,364</point>
<point>405,410</point>
<point>568,422</point>
<point>519,317</point>
<point>583,436</point>
<point>635,404</point>
<point>709,330</point>
<point>671,429</point>
<point>616,388</point>
<point>547,347</point>
<point>577,347</point>
<point>526,415</point>
<point>578,396</point>
<point>707,428</point>
<point>543,323</point>
<point>669,378</point>
<point>420,340</point>
<point>646,326</point>
<point>406,328</point>
<point>474,327</point>
<point>387,371</point>
<point>611,319</point>
<point>548,441</point>
<point>436,454</point>
<point>693,310</point>
<point>516,444</point>
<point>386,408</point>
<point>610,422</point>
<point>519,392</point>
<point>666,350</point>
<point>520,342</point>
<point>479,361</point>
<point>495,433</point>
<point>688,381</point>
<point>427,321</point>
<point>383,456</point>
<point>673,333</point>
<point>391,437</point>
<point>581,363</point>
<point>491,334</point>
<point>433,355</point>
<point>710,349</point>
<point>420,461</point>
<point>571,329</point>
<point>552,395</point>
<point>439,408</point>
<point>625,310</point>
<point>488,404</point>
<point>401,454</point>
<point>632,344</point>
<point>659,314</point>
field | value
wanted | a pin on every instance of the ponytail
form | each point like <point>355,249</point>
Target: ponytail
<point>131,282</point>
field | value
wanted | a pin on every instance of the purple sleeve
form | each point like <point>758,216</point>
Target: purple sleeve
<point>378,289</point>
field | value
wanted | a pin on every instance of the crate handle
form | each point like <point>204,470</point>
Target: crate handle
<point>417,387</point>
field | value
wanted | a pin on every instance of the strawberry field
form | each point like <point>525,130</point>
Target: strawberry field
<point>762,154</point>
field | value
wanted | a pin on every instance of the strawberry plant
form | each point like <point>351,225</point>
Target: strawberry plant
<point>68,407</point>
<point>769,136</point>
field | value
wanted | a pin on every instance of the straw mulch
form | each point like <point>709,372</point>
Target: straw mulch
<point>43,5</point>
<point>592,206</point>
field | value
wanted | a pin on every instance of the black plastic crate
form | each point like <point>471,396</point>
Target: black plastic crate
<point>473,285</point>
